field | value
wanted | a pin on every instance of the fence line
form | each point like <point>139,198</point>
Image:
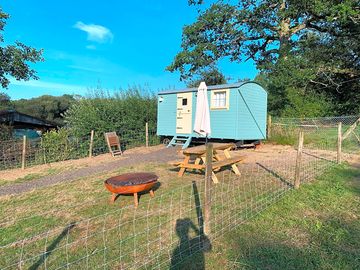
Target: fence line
<point>166,230</point>
<point>162,232</point>
<point>18,153</point>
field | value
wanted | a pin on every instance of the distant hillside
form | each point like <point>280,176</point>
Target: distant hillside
<point>46,107</point>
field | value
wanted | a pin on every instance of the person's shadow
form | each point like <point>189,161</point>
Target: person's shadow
<point>195,245</point>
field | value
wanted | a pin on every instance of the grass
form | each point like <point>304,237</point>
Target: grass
<point>323,138</point>
<point>280,235</point>
<point>315,227</point>
<point>30,177</point>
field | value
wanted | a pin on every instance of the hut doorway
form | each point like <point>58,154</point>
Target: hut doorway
<point>184,113</point>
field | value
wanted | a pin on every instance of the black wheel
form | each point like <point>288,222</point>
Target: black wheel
<point>166,141</point>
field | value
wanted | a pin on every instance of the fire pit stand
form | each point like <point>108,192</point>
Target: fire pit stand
<point>131,183</point>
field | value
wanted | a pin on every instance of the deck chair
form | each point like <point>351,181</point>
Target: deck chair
<point>113,143</point>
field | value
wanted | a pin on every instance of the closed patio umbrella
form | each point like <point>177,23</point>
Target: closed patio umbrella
<point>202,115</point>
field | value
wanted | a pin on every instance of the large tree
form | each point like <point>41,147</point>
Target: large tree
<point>303,48</point>
<point>14,58</point>
<point>260,30</point>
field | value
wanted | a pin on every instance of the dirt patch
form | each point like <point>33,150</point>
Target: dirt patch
<point>67,165</point>
<point>89,167</point>
<point>74,169</point>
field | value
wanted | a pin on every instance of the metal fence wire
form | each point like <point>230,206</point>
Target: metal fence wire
<point>44,151</point>
<point>165,231</point>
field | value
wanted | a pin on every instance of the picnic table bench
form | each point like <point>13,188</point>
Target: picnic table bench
<point>195,159</point>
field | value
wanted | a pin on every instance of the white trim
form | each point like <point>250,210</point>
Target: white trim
<point>227,99</point>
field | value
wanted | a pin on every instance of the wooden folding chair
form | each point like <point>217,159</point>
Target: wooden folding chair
<point>113,142</point>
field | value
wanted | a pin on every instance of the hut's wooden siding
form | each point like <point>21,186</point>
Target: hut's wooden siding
<point>244,120</point>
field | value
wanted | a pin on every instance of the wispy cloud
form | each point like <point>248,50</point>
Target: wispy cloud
<point>86,68</point>
<point>95,32</point>
<point>48,85</point>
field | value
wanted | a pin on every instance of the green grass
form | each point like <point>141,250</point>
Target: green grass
<point>315,227</point>
<point>322,138</point>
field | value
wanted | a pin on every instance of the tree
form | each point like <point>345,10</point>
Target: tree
<point>50,108</point>
<point>260,30</point>
<point>306,51</point>
<point>5,102</point>
<point>14,58</point>
<point>210,76</point>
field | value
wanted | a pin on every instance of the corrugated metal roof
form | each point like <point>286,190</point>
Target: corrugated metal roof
<point>211,87</point>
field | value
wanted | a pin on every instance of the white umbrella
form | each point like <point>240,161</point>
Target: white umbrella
<point>202,116</point>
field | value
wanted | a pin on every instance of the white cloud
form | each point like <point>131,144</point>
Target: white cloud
<point>49,85</point>
<point>95,32</point>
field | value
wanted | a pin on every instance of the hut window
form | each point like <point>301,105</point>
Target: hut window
<point>220,99</point>
<point>184,101</point>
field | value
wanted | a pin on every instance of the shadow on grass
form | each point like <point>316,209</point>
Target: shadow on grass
<point>191,246</point>
<point>52,246</point>
<point>275,174</point>
<point>318,157</point>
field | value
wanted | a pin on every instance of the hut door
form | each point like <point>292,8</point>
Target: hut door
<point>184,113</point>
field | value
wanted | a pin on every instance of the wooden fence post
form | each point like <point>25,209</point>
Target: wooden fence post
<point>298,159</point>
<point>268,130</point>
<point>43,149</point>
<point>208,184</point>
<point>91,143</point>
<point>147,134</point>
<point>339,143</point>
<point>23,158</point>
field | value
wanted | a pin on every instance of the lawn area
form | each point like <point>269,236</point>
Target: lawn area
<point>72,225</point>
<point>323,138</point>
<point>315,227</point>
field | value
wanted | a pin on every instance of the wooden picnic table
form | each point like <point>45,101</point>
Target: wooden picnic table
<point>195,159</point>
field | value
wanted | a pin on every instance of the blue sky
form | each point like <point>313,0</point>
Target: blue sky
<point>111,43</point>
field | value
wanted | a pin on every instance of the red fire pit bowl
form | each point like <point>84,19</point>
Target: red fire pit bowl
<point>131,183</point>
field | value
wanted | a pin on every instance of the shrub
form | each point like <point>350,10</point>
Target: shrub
<point>5,132</point>
<point>125,112</point>
<point>59,145</point>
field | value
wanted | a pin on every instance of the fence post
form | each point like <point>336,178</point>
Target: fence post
<point>208,183</point>
<point>43,149</point>
<point>91,143</point>
<point>339,143</point>
<point>147,134</point>
<point>298,159</point>
<point>23,158</point>
<point>268,130</point>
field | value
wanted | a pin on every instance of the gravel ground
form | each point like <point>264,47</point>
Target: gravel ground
<point>161,156</point>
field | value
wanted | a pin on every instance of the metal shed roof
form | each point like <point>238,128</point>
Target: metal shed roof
<point>211,87</point>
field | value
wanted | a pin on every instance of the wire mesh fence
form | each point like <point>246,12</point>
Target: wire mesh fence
<point>56,148</point>
<point>162,232</point>
<point>321,134</point>
<point>85,232</point>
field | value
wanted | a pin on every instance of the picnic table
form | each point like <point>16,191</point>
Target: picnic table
<point>195,158</point>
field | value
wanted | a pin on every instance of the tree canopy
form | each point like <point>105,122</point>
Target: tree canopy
<point>303,48</point>
<point>46,107</point>
<point>14,58</point>
<point>211,76</point>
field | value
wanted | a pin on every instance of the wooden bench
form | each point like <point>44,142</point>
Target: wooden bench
<point>195,159</point>
<point>227,162</point>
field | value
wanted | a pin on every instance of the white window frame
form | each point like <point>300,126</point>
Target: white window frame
<point>227,94</point>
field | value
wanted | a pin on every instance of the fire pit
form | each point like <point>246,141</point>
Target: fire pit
<point>131,183</point>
